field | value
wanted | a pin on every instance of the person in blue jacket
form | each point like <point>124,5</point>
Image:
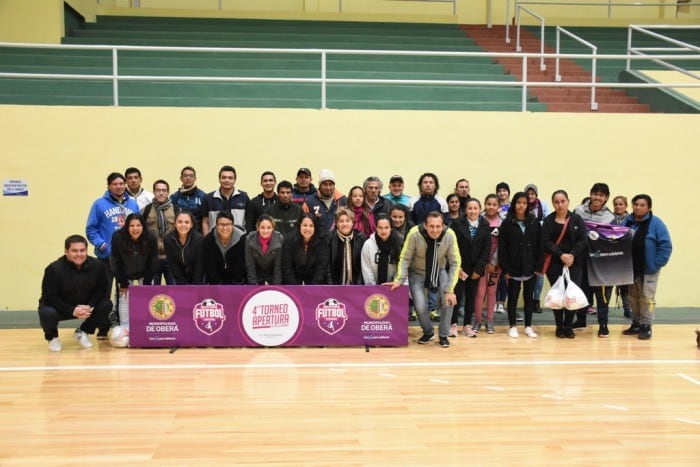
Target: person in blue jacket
<point>651,250</point>
<point>107,215</point>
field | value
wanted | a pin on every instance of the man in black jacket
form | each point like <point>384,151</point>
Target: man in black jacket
<point>74,287</point>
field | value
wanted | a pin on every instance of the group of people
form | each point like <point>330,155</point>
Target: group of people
<point>454,253</point>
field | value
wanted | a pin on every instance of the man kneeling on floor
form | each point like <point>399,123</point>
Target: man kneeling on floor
<point>429,251</point>
<point>74,287</point>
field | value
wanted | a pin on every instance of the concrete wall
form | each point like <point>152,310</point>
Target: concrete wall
<point>65,153</point>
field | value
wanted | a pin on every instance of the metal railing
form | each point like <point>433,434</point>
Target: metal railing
<point>115,77</point>
<point>518,48</point>
<point>680,46</point>
<point>609,4</point>
<point>220,7</point>
<point>557,75</point>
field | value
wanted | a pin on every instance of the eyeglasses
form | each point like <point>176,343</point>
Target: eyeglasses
<point>225,226</point>
<point>160,190</point>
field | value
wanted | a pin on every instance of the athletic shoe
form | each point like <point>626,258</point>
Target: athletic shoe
<point>627,313</point>
<point>518,318</point>
<point>537,307</point>
<point>530,333</point>
<point>632,330</point>
<point>603,331</point>
<point>425,338</point>
<point>499,309</point>
<point>444,342</point>
<point>453,331</point>
<point>82,338</point>
<point>102,334</point>
<point>468,331</point>
<point>490,329</point>
<point>435,315</point>
<point>645,331</point>
<point>591,310</point>
<point>412,316</point>
<point>477,327</point>
<point>579,325</point>
<point>513,332</point>
<point>55,345</point>
<point>560,332</point>
<point>569,333</point>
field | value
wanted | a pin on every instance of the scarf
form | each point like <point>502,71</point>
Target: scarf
<point>387,254</point>
<point>364,221</point>
<point>473,227</point>
<point>346,275</point>
<point>163,226</point>
<point>432,271</point>
<point>264,243</point>
<point>536,208</point>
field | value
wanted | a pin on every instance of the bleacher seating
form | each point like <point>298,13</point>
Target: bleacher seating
<point>195,32</point>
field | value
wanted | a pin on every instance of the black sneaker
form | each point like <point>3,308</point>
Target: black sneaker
<point>579,325</point>
<point>560,332</point>
<point>645,331</point>
<point>632,330</point>
<point>444,342</point>
<point>627,313</point>
<point>425,338</point>
<point>102,334</point>
<point>569,333</point>
<point>603,331</point>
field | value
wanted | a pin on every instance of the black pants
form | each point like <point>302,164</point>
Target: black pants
<point>528,287</point>
<point>466,294</point>
<point>49,318</point>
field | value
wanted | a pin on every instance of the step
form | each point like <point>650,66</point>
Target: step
<point>602,108</point>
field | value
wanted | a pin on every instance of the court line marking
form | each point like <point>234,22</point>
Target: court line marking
<point>685,420</point>
<point>688,378</point>
<point>615,407</point>
<point>245,366</point>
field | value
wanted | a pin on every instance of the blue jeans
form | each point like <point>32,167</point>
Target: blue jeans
<point>420,300</point>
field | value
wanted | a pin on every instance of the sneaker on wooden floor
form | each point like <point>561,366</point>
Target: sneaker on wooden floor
<point>444,342</point>
<point>82,338</point>
<point>530,333</point>
<point>489,328</point>
<point>477,327</point>
<point>453,331</point>
<point>425,338</point>
<point>513,332</point>
<point>55,345</point>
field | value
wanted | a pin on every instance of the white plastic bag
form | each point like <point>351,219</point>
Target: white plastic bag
<point>555,297</point>
<point>574,298</point>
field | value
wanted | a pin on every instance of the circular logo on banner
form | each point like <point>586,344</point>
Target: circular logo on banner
<point>377,306</point>
<point>162,307</point>
<point>270,317</point>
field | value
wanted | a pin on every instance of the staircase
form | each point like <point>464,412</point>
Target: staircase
<point>565,99</point>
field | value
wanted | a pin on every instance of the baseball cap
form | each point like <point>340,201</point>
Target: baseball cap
<point>396,178</point>
<point>304,170</point>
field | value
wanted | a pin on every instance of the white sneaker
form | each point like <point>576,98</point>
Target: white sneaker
<point>513,332</point>
<point>55,345</point>
<point>499,309</point>
<point>82,338</point>
<point>530,333</point>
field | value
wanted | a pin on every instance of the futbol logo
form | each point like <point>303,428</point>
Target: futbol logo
<point>209,316</point>
<point>331,316</point>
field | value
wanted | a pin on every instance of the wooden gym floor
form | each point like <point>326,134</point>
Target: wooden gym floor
<point>489,400</point>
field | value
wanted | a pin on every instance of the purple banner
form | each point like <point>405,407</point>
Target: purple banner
<point>267,316</point>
